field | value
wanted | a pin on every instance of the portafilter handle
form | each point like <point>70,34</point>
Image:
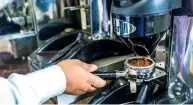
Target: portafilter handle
<point>110,75</point>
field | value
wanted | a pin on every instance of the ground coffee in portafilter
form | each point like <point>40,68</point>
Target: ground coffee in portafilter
<point>140,62</point>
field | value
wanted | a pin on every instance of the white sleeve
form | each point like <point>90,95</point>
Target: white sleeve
<point>4,3</point>
<point>33,88</point>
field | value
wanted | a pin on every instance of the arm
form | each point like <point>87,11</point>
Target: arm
<point>69,76</point>
<point>33,88</point>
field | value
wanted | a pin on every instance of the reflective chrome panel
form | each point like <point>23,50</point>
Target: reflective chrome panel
<point>100,18</point>
<point>181,59</point>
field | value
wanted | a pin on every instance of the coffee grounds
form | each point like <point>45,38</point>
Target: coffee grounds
<point>141,62</point>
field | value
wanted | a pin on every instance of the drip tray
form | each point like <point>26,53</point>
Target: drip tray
<point>112,63</point>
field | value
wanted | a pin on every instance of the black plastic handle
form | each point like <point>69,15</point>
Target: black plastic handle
<point>106,75</point>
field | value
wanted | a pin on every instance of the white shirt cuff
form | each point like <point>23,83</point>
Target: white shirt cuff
<point>48,82</point>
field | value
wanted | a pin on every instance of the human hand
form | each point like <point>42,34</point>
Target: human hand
<point>78,77</point>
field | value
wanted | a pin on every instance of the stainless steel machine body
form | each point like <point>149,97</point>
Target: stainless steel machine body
<point>150,19</point>
<point>181,57</point>
<point>147,18</point>
<point>142,18</point>
<point>101,27</point>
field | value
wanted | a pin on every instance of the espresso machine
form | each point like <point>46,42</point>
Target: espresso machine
<point>158,29</point>
<point>163,29</point>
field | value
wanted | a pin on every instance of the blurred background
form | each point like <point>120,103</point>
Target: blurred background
<point>26,24</point>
